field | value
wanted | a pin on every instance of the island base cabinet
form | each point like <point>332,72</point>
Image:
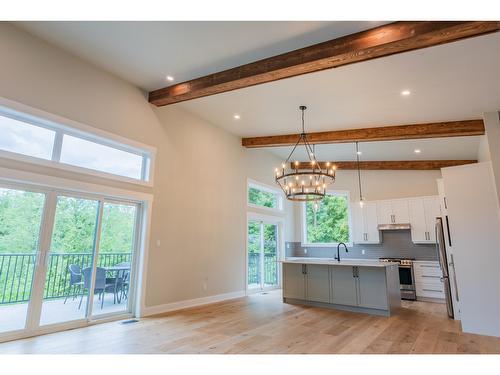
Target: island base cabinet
<point>317,283</point>
<point>372,290</point>
<point>344,286</point>
<point>294,281</point>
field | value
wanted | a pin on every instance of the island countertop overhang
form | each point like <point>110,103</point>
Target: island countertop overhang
<point>333,262</point>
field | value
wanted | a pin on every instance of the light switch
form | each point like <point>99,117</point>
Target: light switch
<point>158,243</point>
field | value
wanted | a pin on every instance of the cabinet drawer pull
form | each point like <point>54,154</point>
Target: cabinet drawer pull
<point>432,290</point>
<point>428,266</point>
<point>433,277</point>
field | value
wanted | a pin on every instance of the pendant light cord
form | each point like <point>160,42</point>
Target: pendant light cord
<point>359,173</point>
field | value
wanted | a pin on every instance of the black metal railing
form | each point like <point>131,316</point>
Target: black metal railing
<point>17,271</point>
<point>270,269</point>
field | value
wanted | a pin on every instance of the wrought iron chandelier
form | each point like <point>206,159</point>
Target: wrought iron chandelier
<point>305,181</point>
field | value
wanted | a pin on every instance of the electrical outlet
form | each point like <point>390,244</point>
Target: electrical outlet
<point>363,251</point>
<point>158,243</point>
<point>205,286</point>
<point>305,251</point>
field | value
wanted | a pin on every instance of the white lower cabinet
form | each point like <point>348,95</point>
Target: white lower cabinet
<point>428,282</point>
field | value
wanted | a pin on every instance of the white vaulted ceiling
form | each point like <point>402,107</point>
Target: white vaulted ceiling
<point>454,81</point>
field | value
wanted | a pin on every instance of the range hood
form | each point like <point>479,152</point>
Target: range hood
<point>404,226</point>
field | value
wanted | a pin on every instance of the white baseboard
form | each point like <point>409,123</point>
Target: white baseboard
<point>159,309</point>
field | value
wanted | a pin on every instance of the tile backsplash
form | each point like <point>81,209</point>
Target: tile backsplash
<point>394,243</point>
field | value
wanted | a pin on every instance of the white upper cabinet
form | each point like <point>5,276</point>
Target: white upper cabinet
<point>365,224</point>
<point>423,214</point>
<point>393,211</point>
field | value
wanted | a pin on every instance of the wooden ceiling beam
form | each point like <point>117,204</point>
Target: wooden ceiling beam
<point>419,165</point>
<point>381,41</point>
<point>385,133</point>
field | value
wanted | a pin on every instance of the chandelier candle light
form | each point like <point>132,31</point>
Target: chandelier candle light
<point>299,183</point>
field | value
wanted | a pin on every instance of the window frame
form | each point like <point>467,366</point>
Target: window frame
<point>62,126</point>
<point>305,243</point>
<point>268,189</point>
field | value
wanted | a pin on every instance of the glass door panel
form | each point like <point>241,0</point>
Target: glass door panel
<point>115,259</point>
<point>270,255</point>
<point>20,224</point>
<point>254,258</point>
<point>262,255</point>
<point>70,259</point>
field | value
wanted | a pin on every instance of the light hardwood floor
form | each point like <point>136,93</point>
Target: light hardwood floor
<point>261,323</point>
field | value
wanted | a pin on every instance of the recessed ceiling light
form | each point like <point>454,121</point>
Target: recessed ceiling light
<point>170,78</point>
<point>405,92</point>
<point>236,117</point>
<point>417,151</point>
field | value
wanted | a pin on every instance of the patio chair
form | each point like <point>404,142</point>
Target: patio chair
<point>124,282</point>
<point>75,281</point>
<point>101,284</point>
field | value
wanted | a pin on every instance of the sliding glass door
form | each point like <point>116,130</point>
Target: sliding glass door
<point>21,215</point>
<point>262,251</point>
<point>116,258</point>
<point>68,273</point>
<point>64,258</point>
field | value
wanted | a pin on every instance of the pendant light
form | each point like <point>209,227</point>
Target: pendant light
<point>306,182</point>
<point>361,199</point>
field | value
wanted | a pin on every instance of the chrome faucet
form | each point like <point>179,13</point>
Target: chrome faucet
<point>338,250</point>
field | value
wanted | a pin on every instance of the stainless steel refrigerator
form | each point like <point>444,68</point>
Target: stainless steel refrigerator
<point>443,263</point>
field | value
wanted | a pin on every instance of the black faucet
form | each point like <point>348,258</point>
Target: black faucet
<point>338,250</point>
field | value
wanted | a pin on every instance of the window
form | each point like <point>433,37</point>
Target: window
<point>329,224</point>
<point>26,139</point>
<point>264,197</point>
<point>36,137</point>
<point>83,153</point>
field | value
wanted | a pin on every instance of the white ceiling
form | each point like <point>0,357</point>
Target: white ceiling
<point>144,53</point>
<point>430,149</point>
<point>455,81</point>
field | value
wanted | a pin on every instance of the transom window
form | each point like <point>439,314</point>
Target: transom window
<point>329,222</point>
<point>24,134</point>
<point>264,197</point>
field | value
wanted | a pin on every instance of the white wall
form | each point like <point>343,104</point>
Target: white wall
<point>492,144</point>
<point>199,209</point>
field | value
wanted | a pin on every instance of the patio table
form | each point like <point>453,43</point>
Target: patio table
<point>115,271</point>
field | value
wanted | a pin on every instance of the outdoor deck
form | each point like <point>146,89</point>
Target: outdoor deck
<point>13,316</point>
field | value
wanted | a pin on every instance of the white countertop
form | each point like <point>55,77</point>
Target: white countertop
<point>333,262</point>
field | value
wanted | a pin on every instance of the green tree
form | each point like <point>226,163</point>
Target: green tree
<point>329,223</point>
<point>20,218</point>
<point>262,198</point>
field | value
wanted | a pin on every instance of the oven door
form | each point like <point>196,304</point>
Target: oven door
<point>406,278</point>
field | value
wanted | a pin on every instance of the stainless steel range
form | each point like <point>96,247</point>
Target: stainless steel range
<point>406,277</point>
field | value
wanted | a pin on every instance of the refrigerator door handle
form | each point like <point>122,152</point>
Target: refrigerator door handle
<point>452,263</point>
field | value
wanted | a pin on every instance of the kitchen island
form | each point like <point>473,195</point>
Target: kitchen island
<point>366,286</point>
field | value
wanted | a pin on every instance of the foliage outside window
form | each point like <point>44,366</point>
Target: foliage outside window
<point>263,198</point>
<point>329,223</point>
